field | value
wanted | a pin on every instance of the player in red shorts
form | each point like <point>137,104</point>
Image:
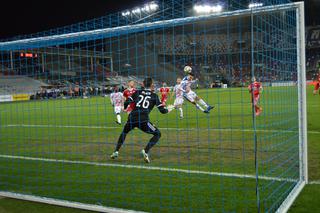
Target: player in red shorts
<point>128,93</point>
<point>255,88</point>
<point>164,90</point>
<point>317,85</point>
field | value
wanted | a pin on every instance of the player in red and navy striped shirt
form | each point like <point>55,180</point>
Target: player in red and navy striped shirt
<point>317,85</point>
<point>128,93</point>
<point>255,88</point>
<point>164,90</point>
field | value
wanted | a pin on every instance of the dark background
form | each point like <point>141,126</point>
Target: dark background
<point>25,17</point>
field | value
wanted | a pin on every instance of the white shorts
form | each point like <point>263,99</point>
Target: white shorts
<point>118,109</point>
<point>178,101</point>
<point>191,96</point>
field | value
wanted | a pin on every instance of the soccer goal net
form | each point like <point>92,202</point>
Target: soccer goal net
<point>175,106</point>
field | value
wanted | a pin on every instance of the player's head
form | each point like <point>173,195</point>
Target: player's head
<point>191,76</point>
<point>253,79</point>
<point>148,83</point>
<point>179,80</point>
<point>164,84</point>
<point>116,89</point>
<point>131,84</point>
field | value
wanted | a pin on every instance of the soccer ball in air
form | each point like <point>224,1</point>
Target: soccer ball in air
<point>187,69</point>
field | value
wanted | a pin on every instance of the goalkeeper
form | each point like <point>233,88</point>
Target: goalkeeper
<point>145,100</point>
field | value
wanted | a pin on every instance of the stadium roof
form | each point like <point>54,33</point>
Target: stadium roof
<point>38,17</point>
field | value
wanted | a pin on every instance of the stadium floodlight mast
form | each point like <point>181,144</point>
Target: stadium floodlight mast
<point>147,8</point>
<point>254,5</point>
<point>205,9</point>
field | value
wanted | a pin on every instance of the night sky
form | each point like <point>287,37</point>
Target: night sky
<point>28,17</point>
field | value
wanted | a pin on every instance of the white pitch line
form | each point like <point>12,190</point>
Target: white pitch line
<point>316,182</point>
<point>69,204</point>
<point>182,129</point>
<point>154,168</point>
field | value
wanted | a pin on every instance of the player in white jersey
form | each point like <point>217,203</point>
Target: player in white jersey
<point>191,96</point>
<point>116,99</point>
<point>178,91</point>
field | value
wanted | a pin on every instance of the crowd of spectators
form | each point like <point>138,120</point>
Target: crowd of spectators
<point>228,55</point>
<point>211,43</point>
<point>71,92</point>
<point>312,63</point>
<point>84,89</point>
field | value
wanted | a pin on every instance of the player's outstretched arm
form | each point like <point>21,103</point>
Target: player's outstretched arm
<point>130,100</point>
<point>159,105</point>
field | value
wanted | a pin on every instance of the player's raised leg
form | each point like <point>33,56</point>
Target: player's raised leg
<point>199,106</point>
<point>203,103</point>
<point>190,95</point>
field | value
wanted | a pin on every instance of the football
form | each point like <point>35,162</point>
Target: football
<point>187,69</point>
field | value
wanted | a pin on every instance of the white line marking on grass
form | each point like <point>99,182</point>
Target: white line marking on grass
<point>316,182</point>
<point>69,204</point>
<point>154,168</point>
<point>169,128</point>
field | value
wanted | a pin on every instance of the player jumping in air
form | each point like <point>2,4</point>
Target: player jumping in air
<point>317,85</point>
<point>255,88</point>
<point>116,99</point>
<point>164,90</point>
<point>191,96</point>
<point>145,99</point>
<point>178,102</point>
<point>128,93</point>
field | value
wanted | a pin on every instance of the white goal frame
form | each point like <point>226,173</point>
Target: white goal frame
<point>303,140</point>
<point>299,6</point>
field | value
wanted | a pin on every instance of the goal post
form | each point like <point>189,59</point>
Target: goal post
<point>303,141</point>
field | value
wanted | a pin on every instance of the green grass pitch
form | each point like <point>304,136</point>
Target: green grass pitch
<point>84,130</point>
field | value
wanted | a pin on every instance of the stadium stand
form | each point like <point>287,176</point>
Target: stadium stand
<point>10,85</point>
<point>171,56</point>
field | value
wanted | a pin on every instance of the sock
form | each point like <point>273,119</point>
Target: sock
<point>201,101</point>
<point>121,139</point>
<point>199,107</point>
<point>119,118</point>
<point>257,109</point>
<point>153,141</point>
<point>181,112</point>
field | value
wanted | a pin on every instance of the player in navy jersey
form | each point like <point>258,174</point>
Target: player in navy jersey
<point>145,100</point>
